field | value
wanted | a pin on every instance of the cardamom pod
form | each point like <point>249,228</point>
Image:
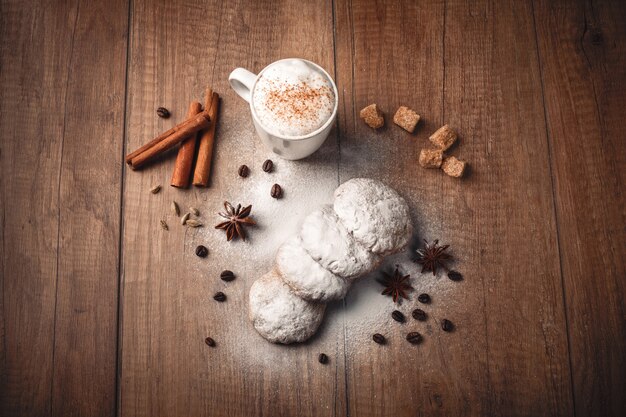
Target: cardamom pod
<point>164,225</point>
<point>185,218</point>
<point>193,223</point>
<point>175,209</point>
<point>155,189</point>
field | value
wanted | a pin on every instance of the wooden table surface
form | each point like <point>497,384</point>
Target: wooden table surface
<point>103,313</point>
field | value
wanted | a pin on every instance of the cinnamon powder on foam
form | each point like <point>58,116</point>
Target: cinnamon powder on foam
<point>299,107</point>
<point>297,102</point>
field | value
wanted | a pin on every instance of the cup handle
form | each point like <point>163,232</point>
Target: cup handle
<point>242,81</point>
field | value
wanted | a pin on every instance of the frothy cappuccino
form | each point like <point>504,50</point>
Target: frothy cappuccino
<point>293,98</point>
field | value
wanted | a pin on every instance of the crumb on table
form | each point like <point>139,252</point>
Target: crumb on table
<point>453,166</point>
<point>443,138</point>
<point>431,158</point>
<point>406,118</point>
<point>372,116</point>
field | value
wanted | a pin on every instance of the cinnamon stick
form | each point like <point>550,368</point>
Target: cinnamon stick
<point>181,132</point>
<point>207,139</point>
<point>156,140</point>
<point>184,160</point>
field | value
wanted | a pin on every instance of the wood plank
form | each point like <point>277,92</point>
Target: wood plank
<point>475,67</point>
<point>582,49</point>
<point>177,49</point>
<point>85,351</point>
<point>32,131</point>
<point>528,363</point>
<point>62,119</point>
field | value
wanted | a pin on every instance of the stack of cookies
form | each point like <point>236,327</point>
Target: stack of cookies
<point>335,245</point>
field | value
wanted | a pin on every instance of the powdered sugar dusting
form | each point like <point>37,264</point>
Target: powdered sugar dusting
<point>307,184</point>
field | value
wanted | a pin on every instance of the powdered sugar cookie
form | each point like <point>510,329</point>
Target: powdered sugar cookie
<point>328,242</point>
<point>376,215</point>
<point>278,314</point>
<point>305,276</point>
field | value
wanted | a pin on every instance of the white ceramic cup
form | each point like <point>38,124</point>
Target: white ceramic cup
<point>288,147</point>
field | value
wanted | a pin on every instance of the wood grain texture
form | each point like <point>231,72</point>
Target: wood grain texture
<point>30,159</point>
<point>583,54</point>
<point>474,67</point>
<point>168,310</point>
<point>85,349</point>
<point>492,91</point>
<point>62,120</point>
<point>536,90</point>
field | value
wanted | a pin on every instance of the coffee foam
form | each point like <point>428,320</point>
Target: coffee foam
<point>292,98</point>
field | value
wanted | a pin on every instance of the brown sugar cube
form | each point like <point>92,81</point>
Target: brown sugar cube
<point>406,118</point>
<point>372,116</point>
<point>431,158</point>
<point>453,167</point>
<point>443,138</point>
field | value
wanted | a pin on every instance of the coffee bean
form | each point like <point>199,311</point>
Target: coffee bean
<point>419,314</point>
<point>455,276</point>
<point>322,358</point>
<point>227,275</point>
<point>209,341</point>
<point>219,296</point>
<point>163,112</point>
<point>244,171</point>
<point>397,316</point>
<point>414,337</point>
<point>447,325</point>
<point>268,165</point>
<point>202,251</point>
<point>276,192</point>
<point>424,298</point>
<point>379,338</point>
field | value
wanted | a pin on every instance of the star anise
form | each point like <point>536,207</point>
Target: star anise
<point>236,219</point>
<point>433,257</point>
<point>396,285</point>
